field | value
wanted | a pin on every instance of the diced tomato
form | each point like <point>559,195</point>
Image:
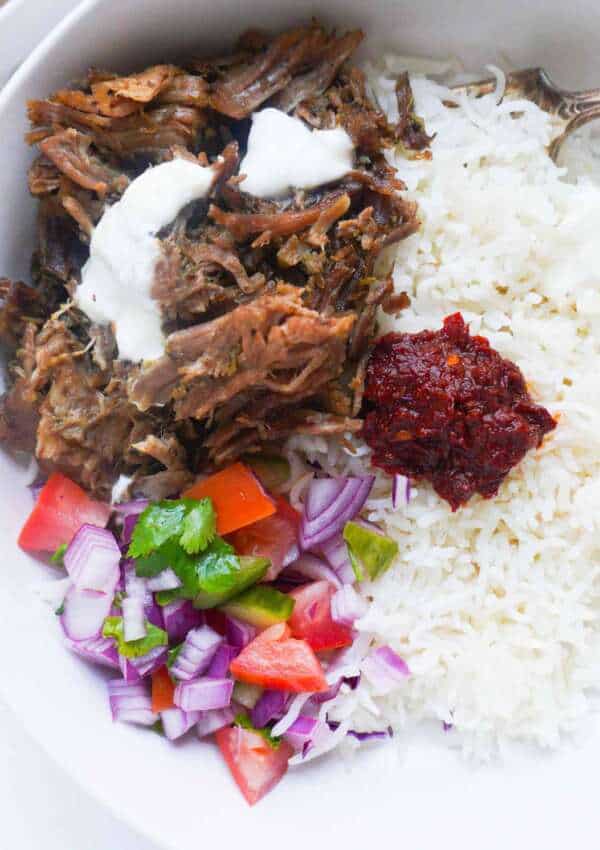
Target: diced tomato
<point>274,659</point>
<point>237,496</point>
<point>255,765</point>
<point>272,538</point>
<point>61,509</point>
<point>312,620</point>
<point>162,691</point>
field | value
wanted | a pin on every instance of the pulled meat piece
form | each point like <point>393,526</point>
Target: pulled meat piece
<point>272,343</point>
<point>319,78</point>
<point>43,177</point>
<point>247,434</point>
<point>244,88</point>
<point>269,306</point>
<point>170,454</point>
<point>410,129</point>
<point>120,96</point>
<point>69,152</point>
<point>85,421</point>
<point>284,223</point>
<point>18,407</point>
<point>152,132</point>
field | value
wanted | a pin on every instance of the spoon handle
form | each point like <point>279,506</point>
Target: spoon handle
<point>576,108</point>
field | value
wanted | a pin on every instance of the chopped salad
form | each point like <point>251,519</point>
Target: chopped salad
<point>227,613</point>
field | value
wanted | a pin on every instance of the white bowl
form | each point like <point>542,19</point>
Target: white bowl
<point>182,796</point>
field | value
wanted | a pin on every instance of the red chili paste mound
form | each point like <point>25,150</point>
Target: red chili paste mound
<point>445,406</point>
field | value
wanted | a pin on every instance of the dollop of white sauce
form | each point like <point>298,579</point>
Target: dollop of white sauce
<point>116,281</point>
<point>284,154</point>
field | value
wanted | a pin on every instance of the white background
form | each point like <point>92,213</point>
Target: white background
<point>42,809</point>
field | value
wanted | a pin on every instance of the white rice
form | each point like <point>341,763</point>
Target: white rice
<point>496,607</point>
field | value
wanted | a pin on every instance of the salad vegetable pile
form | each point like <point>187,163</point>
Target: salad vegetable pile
<point>225,611</point>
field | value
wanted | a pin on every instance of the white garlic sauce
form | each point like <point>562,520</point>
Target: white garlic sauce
<point>117,280</point>
<point>284,154</point>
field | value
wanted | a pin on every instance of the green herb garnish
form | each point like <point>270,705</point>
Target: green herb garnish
<point>59,555</point>
<point>191,523</point>
<point>113,628</point>
<point>181,534</point>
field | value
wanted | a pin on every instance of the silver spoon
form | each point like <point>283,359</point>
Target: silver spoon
<point>575,108</point>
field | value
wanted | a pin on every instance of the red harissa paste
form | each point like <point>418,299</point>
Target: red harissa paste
<point>445,406</point>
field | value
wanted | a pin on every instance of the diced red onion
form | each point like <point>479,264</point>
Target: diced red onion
<point>154,615</point>
<point>339,500</point>
<point>346,662</point>
<point>165,580</point>
<point>306,731</point>
<point>400,491</point>
<point>336,554</point>
<point>135,586</point>
<point>219,666</point>
<point>238,634</point>
<point>131,703</point>
<point>371,736</point>
<point>99,650</point>
<point>134,669</point>
<point>270,706</point>
<point>293,711</point>
<point>330,693</point>
<point>293,553</point>
<point>385,669</point>
<point>196,654</point>
<point>134,619</point>
<point>203,694</point>
<point>179,617</point>
<point>133,508</point>
<point>129,523</point>
<point>321,494</point>
<point>325,696</point>
<point>310,567</point>
<point>176,722</point>
<point>324,739</point>
<point>378,735</point>
<point>92,559</point>
<point>347,606</point>
<point>186,668</point>
<point>211,721</point>
<point>84,612</point>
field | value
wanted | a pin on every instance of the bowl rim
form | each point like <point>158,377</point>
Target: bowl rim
<point>56,34</point>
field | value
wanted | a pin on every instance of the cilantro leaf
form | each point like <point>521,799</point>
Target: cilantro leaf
<point>181,534</point>
<point>158,523</point>
<point>212,571</point>
<point>217,567</point>
<point>58,556</point>
<point>113,627</point>
<point>244,721</point>
<point>190,522</point>
<point>199,527</point>
<point>151,565</point>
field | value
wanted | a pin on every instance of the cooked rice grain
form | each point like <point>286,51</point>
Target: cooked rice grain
<point>495,607</point>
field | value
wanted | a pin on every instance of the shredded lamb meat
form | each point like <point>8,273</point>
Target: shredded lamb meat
<point>269,307</point>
